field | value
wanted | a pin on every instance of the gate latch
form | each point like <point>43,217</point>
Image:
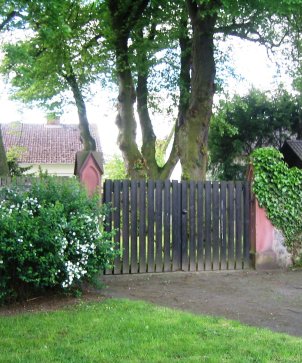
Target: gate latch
<point>184,211</point>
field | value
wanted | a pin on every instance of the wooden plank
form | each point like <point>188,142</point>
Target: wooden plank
<point>167,225</point>
<point>184,232</point>
<point>159,226</point>
<point>176,235</point>
<point>239,224</point>
<point>107,198</point>
<point>215,240</point>
<point>208,226</point>
<point>246,217</point>
<point>134,239</point>
<point>231,222</point>
<point>116,224</point>
<point>125,226</point>
<point>142,226</point>
<point>200,224</point>
<point>223,225</point>
<point>150,254</point>
<point>192,222</point>
<point>252,234</point>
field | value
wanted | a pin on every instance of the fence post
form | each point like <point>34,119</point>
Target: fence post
<point>89,169</point>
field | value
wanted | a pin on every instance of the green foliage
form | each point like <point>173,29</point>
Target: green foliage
<point>50,237</point>
<point>63,41</point>
<point>12,155</point>
<point>279,191</point>
<point>248,122</point>
<point>115,168</point>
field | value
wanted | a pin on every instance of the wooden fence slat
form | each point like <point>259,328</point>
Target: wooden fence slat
<point>239,223</point>
<point>246,245</point>
<point>107,198</point>
<point>167,216</point>
<point>208,225</point>
<point>150,226</point>
<point>159,226</point>
<point>125,226</point>
<point>134,239</point>
<point>215,241</point>
<point>184,225</point>
<point>200,225</point>
<point>142,226</point>
<point>116,224</point>
<point>192,228</point>
<point>176,225</point>
<point>223,224</point>
<point>231,225</point>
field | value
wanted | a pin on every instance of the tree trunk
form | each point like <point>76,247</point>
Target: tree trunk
<point>135,164</point>
<point>148,147</point>
<point>124,18</point>
<point>193,134</point>
<point>86,138</point>
<point>184,82</point>
<point>4,171</point>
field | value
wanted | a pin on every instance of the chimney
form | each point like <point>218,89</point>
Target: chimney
<point>52,119</point>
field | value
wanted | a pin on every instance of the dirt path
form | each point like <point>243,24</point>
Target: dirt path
<point>267,299</point>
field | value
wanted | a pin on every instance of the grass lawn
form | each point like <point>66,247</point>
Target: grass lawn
<point>127,331</point>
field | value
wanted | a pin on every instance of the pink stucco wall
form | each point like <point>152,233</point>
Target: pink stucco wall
<point>264,230</point>
<point>90,176</point>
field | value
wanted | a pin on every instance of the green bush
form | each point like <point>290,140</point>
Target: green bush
<point>279,190</point>
<point>50,237</point>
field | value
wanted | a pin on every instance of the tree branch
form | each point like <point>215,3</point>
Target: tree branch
<point>260,39</point>
<point>86,138</point>
<point>166,171</point>
<point>93,41</point>
<point>9,18</point>
<point>248,31</point>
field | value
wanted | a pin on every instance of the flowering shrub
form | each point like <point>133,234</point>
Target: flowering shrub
<point>50,237</point>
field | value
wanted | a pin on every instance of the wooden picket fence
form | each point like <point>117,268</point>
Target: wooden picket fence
<point>169,226</point>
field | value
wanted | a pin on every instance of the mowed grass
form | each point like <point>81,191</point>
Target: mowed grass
<point>127,331</point>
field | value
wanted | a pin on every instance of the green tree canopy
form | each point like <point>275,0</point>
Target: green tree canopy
<point>154,47</point>
<point>62,54</point>
<point>243,124</point>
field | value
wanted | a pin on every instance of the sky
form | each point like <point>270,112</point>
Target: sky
<point>250,60</point>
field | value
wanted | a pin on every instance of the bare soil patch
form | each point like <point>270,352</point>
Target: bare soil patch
<point>271,299</point>
<point>50,302</point>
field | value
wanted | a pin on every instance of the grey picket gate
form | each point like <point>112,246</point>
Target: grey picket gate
<point>168,225</point>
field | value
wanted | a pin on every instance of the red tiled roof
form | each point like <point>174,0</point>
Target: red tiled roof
<point>46,144</point>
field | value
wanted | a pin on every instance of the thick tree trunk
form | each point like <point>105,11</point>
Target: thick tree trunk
<point>193,134</point>
<point>135,164</point>
<point>154,171</point>
<point>184,82</point>
<point>4,171</point>
<point>86,138</point>
<point>124,18</point>
<point>149,139</point>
